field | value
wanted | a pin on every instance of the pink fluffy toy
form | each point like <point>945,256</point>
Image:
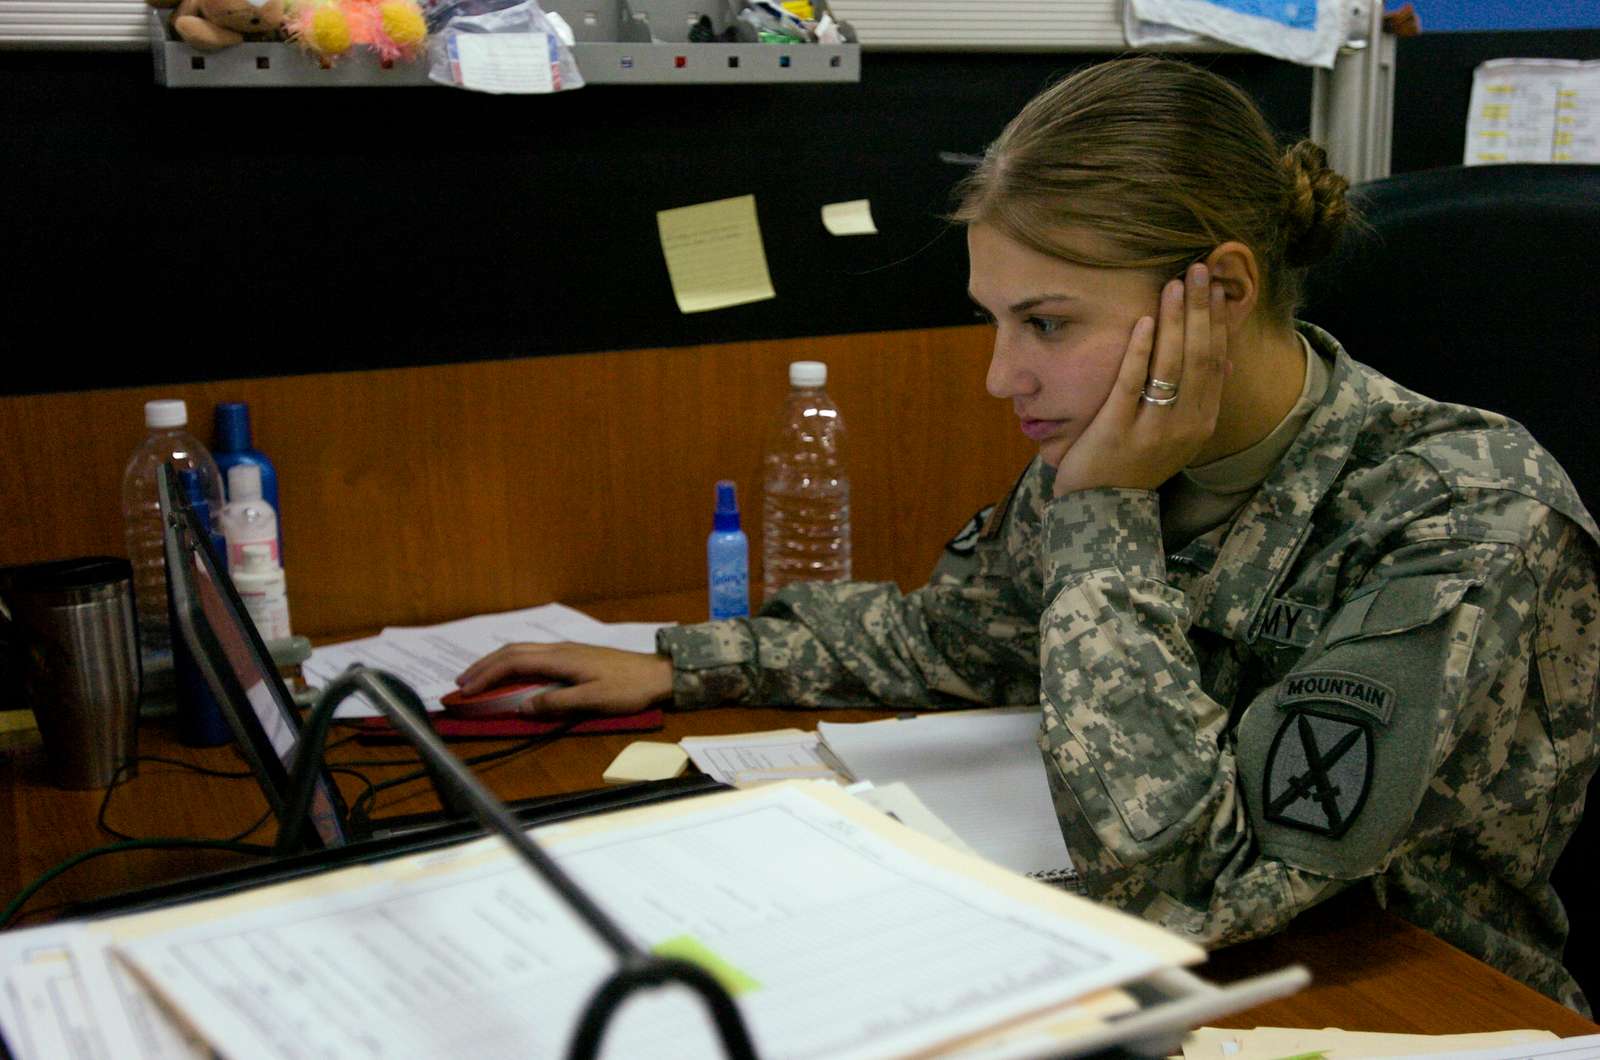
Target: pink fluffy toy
<point>392,29</point>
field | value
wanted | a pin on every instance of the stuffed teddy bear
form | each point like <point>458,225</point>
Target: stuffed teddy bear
<point>210,25</point>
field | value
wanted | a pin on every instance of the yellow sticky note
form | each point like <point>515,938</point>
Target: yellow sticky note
<point>688,948</point>
<point>714,254</point>
<point>646,760</point>
<point>17,730</point>
<point>853,218</point>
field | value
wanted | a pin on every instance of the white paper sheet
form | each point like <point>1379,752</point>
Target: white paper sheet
<point>752,758</point>
<point>1534,110</point>
<point>504,63</point>
<point>841,936</point>
<point>63,998</point>
<point>1273,1043</point>
<point>979,771</point>
<point>33,958</point>
<point>1141,34</point>
<point>1584,1048</point>
<point>1309,32</point>
<point>428,658</point>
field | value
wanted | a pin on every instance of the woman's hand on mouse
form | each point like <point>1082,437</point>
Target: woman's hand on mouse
<point>606,680</point>
<point>1180,361</point>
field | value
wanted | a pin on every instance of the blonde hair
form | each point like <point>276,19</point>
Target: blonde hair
<point>1164,161</point>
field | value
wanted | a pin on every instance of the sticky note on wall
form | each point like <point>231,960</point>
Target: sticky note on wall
<point>714,254</point>
<point>853,218</point>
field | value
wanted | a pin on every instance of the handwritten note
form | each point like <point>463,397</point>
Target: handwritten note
<point>714,254</point>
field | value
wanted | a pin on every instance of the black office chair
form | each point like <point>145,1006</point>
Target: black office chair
<point>1475,284</point>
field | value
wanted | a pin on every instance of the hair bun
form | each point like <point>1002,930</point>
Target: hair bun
<point>1316,210</point>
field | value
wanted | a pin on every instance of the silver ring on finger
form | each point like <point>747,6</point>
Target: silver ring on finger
<point>1160,386</point>
<point>1162,399</point>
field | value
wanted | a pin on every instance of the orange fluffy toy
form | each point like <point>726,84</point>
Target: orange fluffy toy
<point>392,29</point>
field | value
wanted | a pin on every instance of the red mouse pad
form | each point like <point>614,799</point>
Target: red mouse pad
<point>507,711</point>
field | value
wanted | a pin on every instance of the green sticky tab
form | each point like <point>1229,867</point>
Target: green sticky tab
<point>1306,1056</point>
<point>689,948</point>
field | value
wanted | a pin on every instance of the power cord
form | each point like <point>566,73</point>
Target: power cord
<point>16,904</point>
<point>361,809</point>
<point>233,844</point>
<point>121,777</point>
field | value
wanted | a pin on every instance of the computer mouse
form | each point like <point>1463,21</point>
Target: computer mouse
<point>517,697</point>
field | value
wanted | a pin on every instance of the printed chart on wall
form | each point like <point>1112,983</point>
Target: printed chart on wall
<point>1534,110</point>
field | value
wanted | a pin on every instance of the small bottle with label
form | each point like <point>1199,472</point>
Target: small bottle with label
<point>728,557</point>
<point>248,519</point>
<point>264,590</point>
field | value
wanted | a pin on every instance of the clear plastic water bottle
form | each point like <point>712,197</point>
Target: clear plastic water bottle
<point>805,487</point>
<point>168,442</point>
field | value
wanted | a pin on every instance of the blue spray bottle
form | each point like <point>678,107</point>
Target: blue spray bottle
<point>728,557</point>
<point>200,719</point>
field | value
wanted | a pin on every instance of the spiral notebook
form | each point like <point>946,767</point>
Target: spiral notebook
<point>979,771</point>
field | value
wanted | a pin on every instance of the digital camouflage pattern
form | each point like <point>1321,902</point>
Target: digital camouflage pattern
<point>1382,670</point>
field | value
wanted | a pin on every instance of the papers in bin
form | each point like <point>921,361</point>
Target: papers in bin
<point>428,658</point>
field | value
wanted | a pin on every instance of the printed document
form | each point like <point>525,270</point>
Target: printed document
<point>64,998</point>
<point>428,658</point>
<point>1534,110</point>
<point>840,933</point>
<point>751,758</point>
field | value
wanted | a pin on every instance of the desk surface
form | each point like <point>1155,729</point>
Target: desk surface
<point>1371,971</point>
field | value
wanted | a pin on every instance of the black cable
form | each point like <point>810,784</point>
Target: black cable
<point>364,805</point>
<point>361,809</point>
<point>16,904</point>
<point>120,778</point>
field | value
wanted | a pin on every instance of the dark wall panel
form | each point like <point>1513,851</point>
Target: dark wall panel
<point>153,235</point>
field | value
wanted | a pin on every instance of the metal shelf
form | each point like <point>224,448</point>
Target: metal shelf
<point>602,62</point>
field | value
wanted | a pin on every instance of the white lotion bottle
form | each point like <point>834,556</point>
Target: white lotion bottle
<point>264,590</point>
<point>248,519</point>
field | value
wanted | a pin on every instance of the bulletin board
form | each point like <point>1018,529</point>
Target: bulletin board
<point>156,235</point>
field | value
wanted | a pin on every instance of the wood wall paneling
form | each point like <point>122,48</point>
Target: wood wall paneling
<point>416,495</point>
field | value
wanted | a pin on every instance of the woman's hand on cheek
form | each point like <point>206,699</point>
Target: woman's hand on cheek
<point>1133,443</point>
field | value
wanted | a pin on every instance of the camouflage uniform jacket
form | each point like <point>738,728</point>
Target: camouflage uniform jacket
<point>1382,669</point>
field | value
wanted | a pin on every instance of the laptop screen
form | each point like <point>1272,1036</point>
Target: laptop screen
<point>237,668</point>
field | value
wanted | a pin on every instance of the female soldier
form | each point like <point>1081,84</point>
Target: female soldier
<point>1292,627</point>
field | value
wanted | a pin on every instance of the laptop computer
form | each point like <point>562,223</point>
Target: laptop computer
<point>260,710</point>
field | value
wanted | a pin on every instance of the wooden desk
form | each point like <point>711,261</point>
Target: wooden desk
<point>1371,971</point>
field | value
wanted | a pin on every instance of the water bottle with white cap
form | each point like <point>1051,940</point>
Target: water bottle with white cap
<point>167,441</point>
<point>805,513</point>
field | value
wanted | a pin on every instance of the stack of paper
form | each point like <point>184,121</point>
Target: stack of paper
<point>979,771</point>
<point>839,932</point>
<point>428,658</point>
<point>746,759</point>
